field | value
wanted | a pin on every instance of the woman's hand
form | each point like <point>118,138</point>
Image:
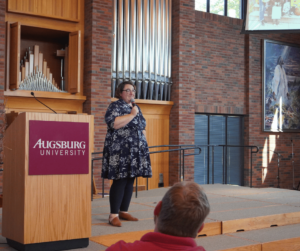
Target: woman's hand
<point>134,111</point>
<point>124,120</point>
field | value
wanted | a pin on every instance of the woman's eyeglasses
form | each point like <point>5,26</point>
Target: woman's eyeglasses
<point>128,91</point>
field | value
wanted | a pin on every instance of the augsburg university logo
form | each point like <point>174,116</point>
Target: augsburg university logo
<point>61,148</point>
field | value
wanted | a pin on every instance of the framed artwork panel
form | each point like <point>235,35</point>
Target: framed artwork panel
<point>281,87</point>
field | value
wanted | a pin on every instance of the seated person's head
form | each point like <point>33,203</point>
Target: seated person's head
<point>182,210</point>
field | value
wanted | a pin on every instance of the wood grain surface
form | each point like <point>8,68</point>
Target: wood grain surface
<point>43,208</point>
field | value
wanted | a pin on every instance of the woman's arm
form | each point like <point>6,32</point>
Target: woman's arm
<point>125,119</point>
<point>144,132</point>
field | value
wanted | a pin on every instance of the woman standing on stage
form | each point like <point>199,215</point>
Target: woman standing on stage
<point>125,154</point>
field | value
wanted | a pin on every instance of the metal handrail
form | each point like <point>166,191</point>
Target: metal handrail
<point>180,149</point>
<point>97,153</point>
<point>182,162</point>
<point>225,169</point>
<point>212,159</point>
<point>92,172</point>
<point>181,166</point>
<point>278,158</point>
<point>251,147</point>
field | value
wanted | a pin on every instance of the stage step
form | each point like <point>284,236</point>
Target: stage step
<point>211,228</point>
<point>232,226</point>
<point>139,188</point>
<point>283,238</point>
<point>244,209</point>
<point>261,222</point>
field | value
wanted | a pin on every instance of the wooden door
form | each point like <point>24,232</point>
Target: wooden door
<point>14,54</point>
<point>74,62</point>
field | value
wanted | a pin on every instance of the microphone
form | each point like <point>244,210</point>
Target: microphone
<point>42,103</point>
<point>133,102</point>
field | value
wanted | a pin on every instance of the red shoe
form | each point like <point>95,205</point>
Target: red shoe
<point>115,222</point>
<point>127,216</point>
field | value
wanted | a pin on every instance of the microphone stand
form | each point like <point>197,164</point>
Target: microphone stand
<point>278,155</point>
<point>32,93</point>
<point>293,165</point>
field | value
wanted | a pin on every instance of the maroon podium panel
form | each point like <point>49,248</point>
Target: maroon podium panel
<point>58,147</point>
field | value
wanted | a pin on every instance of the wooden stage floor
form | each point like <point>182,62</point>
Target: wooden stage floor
<point>241,219</point>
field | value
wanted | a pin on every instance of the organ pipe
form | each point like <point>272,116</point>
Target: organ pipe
<point>157,43</point>
<point>152,39</point>
<point>126,39</point>
<point>114,56</point>
<point>162,37</point>
<point>146,39</point>
<point>142,46</point>
<point>132,53</point>
<point>120,22</point>
<point>170,39</point>
<point>139,40</point>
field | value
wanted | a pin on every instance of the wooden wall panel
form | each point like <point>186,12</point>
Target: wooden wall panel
<point>58,9</point>
<point>15,30</point>
<point>74,62</point>
<point>157,130</point>
<point>18,104</point>
<point>22,101</point>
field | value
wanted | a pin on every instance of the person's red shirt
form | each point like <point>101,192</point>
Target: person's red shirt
<point>158,242</point>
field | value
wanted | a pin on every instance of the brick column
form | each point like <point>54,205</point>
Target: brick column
<point>183,89</point>
<point>97,69</point>
<point>2,79</point>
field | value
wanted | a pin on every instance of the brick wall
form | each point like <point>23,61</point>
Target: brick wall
<point>266,161</point>
<point>97,69</point>
<point>183,89</point>
<point>219,65</point>
<point>228,81</point>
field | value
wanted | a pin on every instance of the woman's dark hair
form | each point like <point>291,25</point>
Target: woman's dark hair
<point>121,86</point>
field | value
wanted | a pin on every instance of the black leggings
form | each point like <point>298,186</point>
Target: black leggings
<point>120,195</point>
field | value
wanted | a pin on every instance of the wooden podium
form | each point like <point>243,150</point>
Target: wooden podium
<point>45,212</point>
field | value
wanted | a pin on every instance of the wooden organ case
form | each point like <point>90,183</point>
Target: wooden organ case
<point>36,35</point>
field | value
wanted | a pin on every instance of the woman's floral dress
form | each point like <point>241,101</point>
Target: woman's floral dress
<point>125,153</point>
